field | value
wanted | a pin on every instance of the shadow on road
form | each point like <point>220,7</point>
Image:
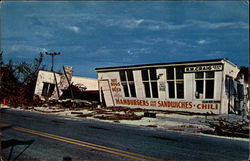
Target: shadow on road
<point>13,143</point>
<point>3,110</point>
<point>67,158</point>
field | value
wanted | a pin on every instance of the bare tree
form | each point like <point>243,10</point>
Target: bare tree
<point>23,77</point>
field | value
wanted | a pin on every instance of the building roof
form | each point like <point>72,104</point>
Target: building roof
<point>73,76</point>
<point>198,62</point>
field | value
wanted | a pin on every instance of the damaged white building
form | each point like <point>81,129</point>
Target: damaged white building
<point>54,85</point>
<point>207,86</point>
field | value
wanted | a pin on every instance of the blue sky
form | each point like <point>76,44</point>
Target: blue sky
<point>92,34</point>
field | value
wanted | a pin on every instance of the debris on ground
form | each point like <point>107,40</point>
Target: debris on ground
<point>47,109</point>
<point>84,115</point>
<point>230,127</point>
<point>127,116</point>
<point>224,125</point>
<point>149,114</point>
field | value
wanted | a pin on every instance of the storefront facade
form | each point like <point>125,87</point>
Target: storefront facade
<point>197,86</point>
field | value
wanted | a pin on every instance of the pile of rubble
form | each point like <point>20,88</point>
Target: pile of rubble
<point>111,113</point>
<point>230,125</point>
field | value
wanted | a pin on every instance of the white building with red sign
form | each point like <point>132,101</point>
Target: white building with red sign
<point>207,86</point>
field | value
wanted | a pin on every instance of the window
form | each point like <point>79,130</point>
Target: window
<point>48,89</point>
<point>127,81</point>
<point>175,82</point>
<point>204,85</point>
<point>170,81</point>
<point>171,89</point>
<point>179,73</point>
<point>149,79</point>
<point>170,73</point>
<point>180,89</point>
<point>125,89</point>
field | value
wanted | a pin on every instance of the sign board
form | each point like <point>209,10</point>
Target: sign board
<point>192,106</point>
<point>162,86</point>
<point>204,68</point>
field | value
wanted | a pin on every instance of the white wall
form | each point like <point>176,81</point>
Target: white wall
<point>44,77</point>
<point>162,83</point>
<point>218,85</point>
<point>232,71</point>
<point>107,87</point>
<point>138,84</point>
<point>189,91</point>
<point>91,84</point>
<point>189,103</point>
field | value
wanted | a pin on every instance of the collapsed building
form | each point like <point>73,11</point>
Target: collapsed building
<point>56,86</point>
<point>206,86</point>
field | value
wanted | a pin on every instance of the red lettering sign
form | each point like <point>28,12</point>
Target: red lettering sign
<point>207,106</point>
<point>166,104</point>
<point>175,104</point>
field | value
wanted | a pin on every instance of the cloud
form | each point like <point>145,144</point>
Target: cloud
<point>158,41</point>
<point>134,51</point>
<point>217,54</point>
<point>134,23</point>
<point>205,41</point>
<point>73,28</point>
<point>130,52</point>
<point>217,25</point>
<point>145,41</point>
<point>138,22</point>
<point>149,24</point>
<point>163,25</point>
<point>44,34</point>
<point>18,48</point>
<point>131,23</point>
<point>175,42</point>
<point>201,42</point>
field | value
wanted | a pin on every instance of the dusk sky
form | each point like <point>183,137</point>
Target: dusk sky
<point>93,34</point>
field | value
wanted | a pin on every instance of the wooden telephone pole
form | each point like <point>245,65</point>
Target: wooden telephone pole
<point>52,59</point>
<point>52,66</point>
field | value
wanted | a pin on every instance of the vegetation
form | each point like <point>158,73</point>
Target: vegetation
<point>18,80</point>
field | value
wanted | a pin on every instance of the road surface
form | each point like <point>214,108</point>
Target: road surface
<point>57,137</point>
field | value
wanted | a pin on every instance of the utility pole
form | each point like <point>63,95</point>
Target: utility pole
<point>52,58</point>
<point>52,65</point>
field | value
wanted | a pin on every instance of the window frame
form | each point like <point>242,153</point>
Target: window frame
<point>175,81</point>
<point>204,79</point>
<point>150,83</point>
<point>128,84</point>
<point>48,92</point>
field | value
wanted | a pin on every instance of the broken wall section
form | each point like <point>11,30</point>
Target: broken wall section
<point>64,82</point>
<point>55,86</point>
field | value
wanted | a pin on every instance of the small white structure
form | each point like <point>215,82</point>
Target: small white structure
<point>51,84</point>
<point>195,86</point>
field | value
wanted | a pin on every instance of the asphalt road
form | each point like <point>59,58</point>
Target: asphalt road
<point>57,137</point>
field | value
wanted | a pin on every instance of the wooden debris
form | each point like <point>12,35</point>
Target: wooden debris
<point>224,127</point>
<point>84,115</point>
<point>131,116</point>
<point>149,114</point>
<point>79,113</point>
